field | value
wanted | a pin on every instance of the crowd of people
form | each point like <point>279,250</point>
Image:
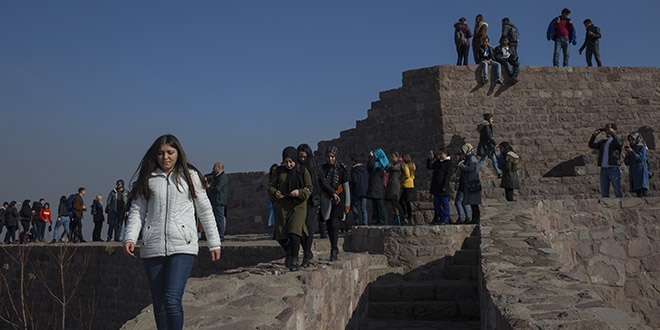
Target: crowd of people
<point>561,32</point>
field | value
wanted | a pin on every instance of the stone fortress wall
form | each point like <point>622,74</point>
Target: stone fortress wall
<point>548,117</point>
<point>568,260</point>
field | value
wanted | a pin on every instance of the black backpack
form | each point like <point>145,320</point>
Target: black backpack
<point>513,34</point>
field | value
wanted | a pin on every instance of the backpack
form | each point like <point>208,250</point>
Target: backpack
<point>513,35</point>
<point>69,205</point>
<point>459,37</point>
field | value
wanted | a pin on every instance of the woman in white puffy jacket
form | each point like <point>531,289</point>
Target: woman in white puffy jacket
<point>166,196</point>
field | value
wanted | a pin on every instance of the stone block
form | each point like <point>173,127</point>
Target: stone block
<point>613,249</point>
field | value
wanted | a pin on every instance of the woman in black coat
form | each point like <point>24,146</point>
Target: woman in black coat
<point>11,222</point>
<point>26,216</point>
<point>470,183</point>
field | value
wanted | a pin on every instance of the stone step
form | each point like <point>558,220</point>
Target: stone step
<point>378,260</point>
<point>441,290</point>
<point>425,310</point>
<point>462,272</point>
<point>376,272</point>
<point>373,324</point>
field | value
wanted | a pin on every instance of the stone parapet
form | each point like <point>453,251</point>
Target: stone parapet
<point>524,284</point>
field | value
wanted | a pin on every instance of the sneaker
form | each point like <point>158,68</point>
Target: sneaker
<point>499,81</point>
<point>514,80</point>
<point>499,176</point>
<point>485,81</point>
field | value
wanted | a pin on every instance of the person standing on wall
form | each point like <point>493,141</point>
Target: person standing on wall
<point>219,196</point>
<point>609,159</point>
<point>562,32</point>
<point>480,33</point>
<point>168,194</point>
<point>510,31</point>
<point>78,207</point>
<point>462,35</point>
<point>486,147</point>
<point>591,42</point>
<point>116,207</point>
<point>470,183</point>
<point>335,199</point>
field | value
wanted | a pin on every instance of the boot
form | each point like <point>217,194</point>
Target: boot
<point>307,259</point>
<point>333,254</point>
<point>397,220</point>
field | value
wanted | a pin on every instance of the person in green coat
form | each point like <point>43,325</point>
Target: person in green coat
<point>290,187</point>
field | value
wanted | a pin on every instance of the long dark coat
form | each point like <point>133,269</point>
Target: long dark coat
<point>376,189</point>
<point>469,172</point>
<point>393,190</point>
<point>509,166</point>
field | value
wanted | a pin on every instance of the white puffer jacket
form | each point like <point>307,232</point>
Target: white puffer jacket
<point>168,218</point>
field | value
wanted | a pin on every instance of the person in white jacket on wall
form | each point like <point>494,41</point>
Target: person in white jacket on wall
<point>166,196</point>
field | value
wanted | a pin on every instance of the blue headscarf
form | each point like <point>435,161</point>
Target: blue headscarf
<point>381,159</point>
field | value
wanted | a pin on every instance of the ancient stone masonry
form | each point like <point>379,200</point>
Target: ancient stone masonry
<point>548,117</point>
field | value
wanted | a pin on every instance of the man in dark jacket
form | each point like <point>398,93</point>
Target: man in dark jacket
<point>511,32</point>
<point>443,168</point>
<point>486,56</point>
<point>218,194</point>
<point>609,159</point>
<point>116,207</point>
<point>591,42</point>
<point>508,57</point>
<point>359,185</point>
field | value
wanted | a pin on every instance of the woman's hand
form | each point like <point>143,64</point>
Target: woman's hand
<point>294,193</point>
<point>215,255</point>
<point>129,249</point>
<point>279,195</point>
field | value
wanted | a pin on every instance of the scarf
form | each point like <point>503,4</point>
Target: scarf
<point>333,172</point>
<point>295,178</point>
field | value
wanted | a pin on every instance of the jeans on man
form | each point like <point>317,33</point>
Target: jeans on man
<point>493,158</point>
<point>167,278</point>
<point>441,207</point>
<point>463,210</point>
<point>561,44</point>
<point>220,219</point>
<point>595,52</point>
<point>610,175</point>
<point>484,67</point>
<point>115,221</point>
<point>513,70</point>
<point>361,203</point>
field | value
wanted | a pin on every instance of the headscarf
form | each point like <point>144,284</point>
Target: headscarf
<point>295,178</point>
<point>333,173</point>
<point>381,159</point>
<point>310,164</point>
<point>638,138</point>
<point>467,149</point>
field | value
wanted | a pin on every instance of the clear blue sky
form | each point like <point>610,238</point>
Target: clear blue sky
<point>86,86</point>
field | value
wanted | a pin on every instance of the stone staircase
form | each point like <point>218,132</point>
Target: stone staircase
<point>446,298</point>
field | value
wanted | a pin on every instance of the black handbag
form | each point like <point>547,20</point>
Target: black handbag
<point>473,186</point>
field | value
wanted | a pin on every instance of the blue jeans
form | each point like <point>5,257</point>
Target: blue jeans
<point>361,203</point>
<point>167,279</point>
<point>463,210</point>
<point>610,175</point>
<point>63,222</point>
<point>463,52</point>
<point>498,68</point>
<point>513,70</point>
<point>115,221</point>
<point>493,158</point>
<point>220,220</point>
<point>561,44</point>
<point>441,207</point>
<point>39,230</point>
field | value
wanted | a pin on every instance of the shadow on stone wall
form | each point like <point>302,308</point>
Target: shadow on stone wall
<point>566,168</point>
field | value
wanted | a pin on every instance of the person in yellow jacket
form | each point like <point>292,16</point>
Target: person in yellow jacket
<point>407,186</point>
